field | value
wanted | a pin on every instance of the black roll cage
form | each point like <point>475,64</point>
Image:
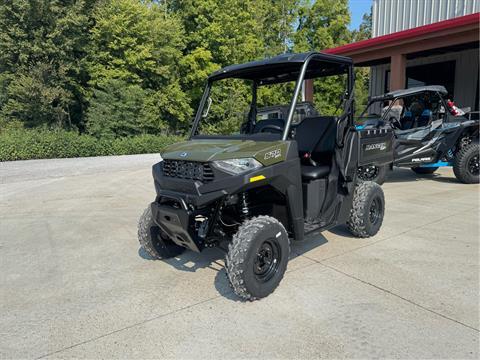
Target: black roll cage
<point>304,59</point>
<point>392,100</point>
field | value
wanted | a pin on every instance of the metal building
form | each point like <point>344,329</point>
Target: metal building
<point>422,42</point>
<point>390,16</point>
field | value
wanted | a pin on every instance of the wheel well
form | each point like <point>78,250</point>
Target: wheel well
<point>266,200</point>
<point>469,135</point>
<point>262,200</point>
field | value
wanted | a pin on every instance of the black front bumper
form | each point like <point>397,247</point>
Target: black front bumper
<point>178,224</point>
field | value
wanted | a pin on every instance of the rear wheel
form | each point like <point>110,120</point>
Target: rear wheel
<point>257,257</point>
<point>153,240</point>
<point>465,165</point>
<point>373,173</point>
<point>424,170</point>
<point>368,208</point>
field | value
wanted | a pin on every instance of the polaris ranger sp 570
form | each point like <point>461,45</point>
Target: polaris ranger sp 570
<point>259,183</point>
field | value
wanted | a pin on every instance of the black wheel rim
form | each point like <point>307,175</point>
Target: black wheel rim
<point>267,260</point>
<point>368,173</point>
<point>375,211</point>
<point>473,165</point>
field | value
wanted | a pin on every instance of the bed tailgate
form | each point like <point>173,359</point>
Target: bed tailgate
<point>376,146</point>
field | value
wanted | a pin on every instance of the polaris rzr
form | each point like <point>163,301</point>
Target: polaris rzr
<point>256,184</point>
<point>430,132</point>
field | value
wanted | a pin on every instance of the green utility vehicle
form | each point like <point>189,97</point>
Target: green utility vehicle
<point>257,184</point>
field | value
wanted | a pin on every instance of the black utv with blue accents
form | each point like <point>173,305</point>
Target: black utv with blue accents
<point>430,132</point>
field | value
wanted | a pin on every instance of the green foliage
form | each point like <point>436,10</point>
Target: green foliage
<point>115,109</point>
<point>132,63</point>
<point>327,94</point>
<point>22,144</point>
<point>41,44</point>
<point>231,99</point>
<point>365,30</point>
<point>362,74</point>
<point>322,24</point>
<point>120,68</point>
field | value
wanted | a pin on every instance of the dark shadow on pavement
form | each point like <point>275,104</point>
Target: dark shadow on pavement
<point>213,258</point>
<point>342,230</point>
<point>143,254</point>
<point>312,241</point>
<point>223,287</point>
<point>191,261</point>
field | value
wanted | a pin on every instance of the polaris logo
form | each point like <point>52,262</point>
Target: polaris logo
<point>273,154</point>
<point>380,146</point>
<point>422,159</point>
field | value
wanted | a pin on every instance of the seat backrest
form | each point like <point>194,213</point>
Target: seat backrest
<point>426,118</point>
<point>316,135</point>
<point>261,124</point>
<point>407,120</point>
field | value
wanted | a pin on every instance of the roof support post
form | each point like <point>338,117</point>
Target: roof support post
<point>398,67</point>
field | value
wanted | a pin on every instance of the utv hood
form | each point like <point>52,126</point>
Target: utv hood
<point>205,150</point>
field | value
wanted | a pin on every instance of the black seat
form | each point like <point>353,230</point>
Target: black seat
<point>310,172</point>
<point>315,137</point>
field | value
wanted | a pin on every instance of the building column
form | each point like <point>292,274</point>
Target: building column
<point>398,65</point>
<point>308,90</point>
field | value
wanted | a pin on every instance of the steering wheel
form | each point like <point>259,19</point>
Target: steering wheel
<point>272,127</point>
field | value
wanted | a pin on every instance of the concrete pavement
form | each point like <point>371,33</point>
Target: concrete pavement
<point>75,284</point>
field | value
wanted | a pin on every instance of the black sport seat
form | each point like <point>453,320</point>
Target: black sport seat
<point>315,138</point>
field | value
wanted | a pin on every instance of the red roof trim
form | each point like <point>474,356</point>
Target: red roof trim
<point>407,34</point>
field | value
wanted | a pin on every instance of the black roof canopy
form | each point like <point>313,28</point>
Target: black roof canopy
<point>285,67</point>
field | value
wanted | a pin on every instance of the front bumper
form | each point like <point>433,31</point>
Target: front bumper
<point>178,224</point>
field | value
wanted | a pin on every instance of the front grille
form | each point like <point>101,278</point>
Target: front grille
<point>191,170</point>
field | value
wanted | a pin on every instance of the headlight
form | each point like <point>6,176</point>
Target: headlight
<point>237,166</point>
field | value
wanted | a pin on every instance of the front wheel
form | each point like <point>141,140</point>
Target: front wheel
<point>424,170</point>
<point>373,173</point>
<point>465,165</point>
<point>368,208</point>
<point>257,257</point>
<point>153,240</point>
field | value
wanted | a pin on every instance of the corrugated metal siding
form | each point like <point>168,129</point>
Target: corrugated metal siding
<point>390,16</point>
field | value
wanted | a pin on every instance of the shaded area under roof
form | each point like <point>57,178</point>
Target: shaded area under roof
<point>285,67</point>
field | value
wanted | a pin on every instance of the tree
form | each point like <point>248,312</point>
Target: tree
<point>362,74</point>
<point>114,109</point>
<point>63,63</point>
<point>41,78</point>
<point>322,24</point>
<point>140,44</point>
<point>365,29</point>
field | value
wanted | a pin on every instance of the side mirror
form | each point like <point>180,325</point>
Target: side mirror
<point>209,103</point>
